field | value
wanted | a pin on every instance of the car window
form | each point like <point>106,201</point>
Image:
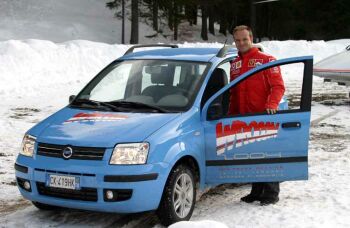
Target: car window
<point>218,79</point>
<point>171,85</point>
<point>226,67</point>
<point>112,85</point>
<point>277,87</point>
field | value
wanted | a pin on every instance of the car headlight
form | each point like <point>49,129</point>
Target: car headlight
<point>130,154</point>
<point>28,146</point>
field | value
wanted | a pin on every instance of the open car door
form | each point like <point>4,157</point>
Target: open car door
<point>259,147</point>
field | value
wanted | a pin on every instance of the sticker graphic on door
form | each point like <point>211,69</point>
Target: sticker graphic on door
<point>239,133</point>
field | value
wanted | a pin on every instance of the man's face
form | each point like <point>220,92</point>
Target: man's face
<point>243,40</point>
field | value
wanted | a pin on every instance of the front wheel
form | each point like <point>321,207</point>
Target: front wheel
<point>179,196</point>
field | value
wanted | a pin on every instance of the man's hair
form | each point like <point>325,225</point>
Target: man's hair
<point>241,28</point>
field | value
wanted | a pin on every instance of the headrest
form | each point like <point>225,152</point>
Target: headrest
<point>218,78</point>
<point>165,76</point>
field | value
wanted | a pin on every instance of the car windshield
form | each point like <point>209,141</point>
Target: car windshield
<point>144,85</point>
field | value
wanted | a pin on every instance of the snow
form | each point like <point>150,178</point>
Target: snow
<point>50,49</point>
<point>38,76</point>
<point>318,48</point>
<point>199,224</point>
<point>65,20</point>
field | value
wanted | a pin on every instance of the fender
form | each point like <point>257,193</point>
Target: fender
<point>188,149</point>
<point>183,136</point>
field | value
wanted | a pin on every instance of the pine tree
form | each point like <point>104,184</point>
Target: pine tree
<point>134,37</point>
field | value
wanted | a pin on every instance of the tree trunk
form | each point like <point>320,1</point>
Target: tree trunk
<point>195,14</point>
<point>171,16</point>
<point>204,32</point>
<point>253,17</point>
<point>176,20</point>
<point>191,13</point>
<point>188,13</point>
<point>211,21</point>
<point>223,26</point>
<point>268,27</point>
<point>134,38</point>
<point>155,15</point>
<point>123,21</point>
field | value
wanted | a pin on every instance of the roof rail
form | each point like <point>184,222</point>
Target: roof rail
<point>131,49</point>
<point>223,51</point>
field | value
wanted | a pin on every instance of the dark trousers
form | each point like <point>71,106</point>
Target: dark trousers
<point>266,189</point>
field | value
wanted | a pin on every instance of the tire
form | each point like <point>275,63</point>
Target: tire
<point>45,207</point>
<point>184,198</point>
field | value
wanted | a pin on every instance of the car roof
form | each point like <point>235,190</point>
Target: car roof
<point>184,54</point>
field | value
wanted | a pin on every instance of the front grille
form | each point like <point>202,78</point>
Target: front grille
<point>81,153</point>
<point>84,194</point>
<point>67,173</point>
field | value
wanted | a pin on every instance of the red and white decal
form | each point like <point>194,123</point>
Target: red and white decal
<point>255,62</point>
<point>87,117</point>
<point>240,133</point>
<point>239,64</point>
<point>276,69</point>
<point>236,65</point>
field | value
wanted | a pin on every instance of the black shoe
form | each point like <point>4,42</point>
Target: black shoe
<point>250,198</point>
<point>268,201</point>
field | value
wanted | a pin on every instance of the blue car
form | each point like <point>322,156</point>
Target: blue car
<point>152,128</point>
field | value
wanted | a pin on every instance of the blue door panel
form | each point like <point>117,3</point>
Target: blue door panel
<point>242,149</point>
<point>257,173</point>
<point>262,147</point>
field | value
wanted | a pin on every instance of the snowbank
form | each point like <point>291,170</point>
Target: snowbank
<point>292,48</point>
<point>30,67</point>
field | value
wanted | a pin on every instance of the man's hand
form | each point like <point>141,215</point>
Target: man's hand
<point>271,111</point>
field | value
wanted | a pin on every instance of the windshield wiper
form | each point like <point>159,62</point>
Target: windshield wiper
<point>96,103</point>
<point>139,105</point>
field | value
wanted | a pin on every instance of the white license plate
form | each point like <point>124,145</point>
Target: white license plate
<point>59,181</point>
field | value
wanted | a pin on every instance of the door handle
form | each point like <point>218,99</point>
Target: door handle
<point>291,125</point>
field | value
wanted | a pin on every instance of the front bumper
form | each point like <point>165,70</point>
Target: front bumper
<point>146,183</point>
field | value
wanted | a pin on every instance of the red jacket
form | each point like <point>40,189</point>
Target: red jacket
<point>262,91</point>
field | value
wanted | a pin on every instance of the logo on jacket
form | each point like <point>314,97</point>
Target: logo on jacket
<point>255,62</point>
<point>236,65</point>
<point>95,117</point>
<point>240,133</point>
<point>276,69</point>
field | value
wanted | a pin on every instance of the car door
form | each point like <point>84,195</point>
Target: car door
<point>258,147</point>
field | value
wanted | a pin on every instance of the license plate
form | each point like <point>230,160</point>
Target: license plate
<point>60,181</point>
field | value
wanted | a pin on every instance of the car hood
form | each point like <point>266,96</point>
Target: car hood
<point>100,129</point>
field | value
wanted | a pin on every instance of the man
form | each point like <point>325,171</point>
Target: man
<point>259,93</point>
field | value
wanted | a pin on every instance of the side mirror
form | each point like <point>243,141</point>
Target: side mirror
<point>215,111</point>
<point>71,98</point>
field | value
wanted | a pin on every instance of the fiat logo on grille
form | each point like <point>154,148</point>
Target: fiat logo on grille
<point>67,152</point>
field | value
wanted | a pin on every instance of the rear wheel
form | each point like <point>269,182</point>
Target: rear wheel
<point>45,207</point>
<point>179,196</point>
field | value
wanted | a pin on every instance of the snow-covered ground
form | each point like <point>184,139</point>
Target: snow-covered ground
<point>41,66</point>
<point>65,20</point>
<point>38,76</point>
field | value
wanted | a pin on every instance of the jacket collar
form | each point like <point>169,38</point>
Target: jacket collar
<point>252,51</point>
